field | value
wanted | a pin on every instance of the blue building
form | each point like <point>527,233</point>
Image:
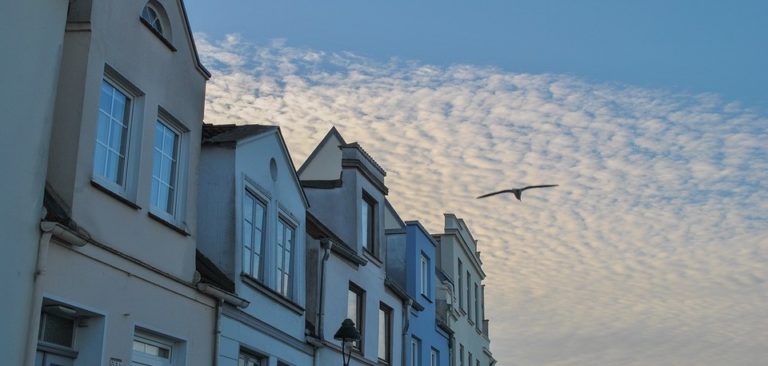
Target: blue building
<point>413,266</point>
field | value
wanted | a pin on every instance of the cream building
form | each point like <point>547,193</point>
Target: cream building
<point>117,254</point>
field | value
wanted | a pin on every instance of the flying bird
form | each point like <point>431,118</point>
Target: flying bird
<point>518,192</point>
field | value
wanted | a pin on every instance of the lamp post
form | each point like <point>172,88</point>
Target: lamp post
<point>347,333</point>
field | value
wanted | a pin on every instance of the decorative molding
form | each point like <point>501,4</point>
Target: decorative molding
<point>269,330</point>
<point>357,164</point>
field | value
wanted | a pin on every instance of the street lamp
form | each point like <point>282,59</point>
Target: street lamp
<point>347,333</point>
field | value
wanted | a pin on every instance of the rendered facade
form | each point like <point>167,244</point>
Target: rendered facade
<point>252,226</point>
<point>346,190</point>
<point>135,234</point>
<point>117,255</point>
<point>459,259</point>
<point>26,99</point>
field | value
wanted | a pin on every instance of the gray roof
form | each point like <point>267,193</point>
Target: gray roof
<point>216,134</point>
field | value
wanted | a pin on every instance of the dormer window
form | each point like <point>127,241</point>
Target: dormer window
<point>368,224</point>
<point>151,16</point>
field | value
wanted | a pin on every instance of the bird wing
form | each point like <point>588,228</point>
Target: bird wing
<point>539,186</point>
<point>497,192</point>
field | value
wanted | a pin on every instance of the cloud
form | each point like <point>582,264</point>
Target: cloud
<point>653,250</point>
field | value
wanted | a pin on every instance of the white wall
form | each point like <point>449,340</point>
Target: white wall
<point>31,37</point>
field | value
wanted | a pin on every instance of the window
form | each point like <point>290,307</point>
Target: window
<point>355,307</point>
<point>461,285</point>
<point>385,333</point>
<point>151,16</point>
<point>469,359</point>
<point>368,224</point>
<point>253,235</point>
<point>56,329</point>
<point>151,350</point>
<point>110,155</point>
<point>469,296</point>
<point>477,307</point>
<point>247,359</point>
<point>434,358</point>
<point>424,278</point>
<point>164,196</point>
<point>461,355</point>
<point>415,351</point>
<point>285,249</point>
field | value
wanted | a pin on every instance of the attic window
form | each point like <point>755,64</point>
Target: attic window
<point>154,17</point>
<point>150,15</point>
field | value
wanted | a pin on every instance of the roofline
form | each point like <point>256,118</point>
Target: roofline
<point>394,212</point>
<point>332,132</point>
<point>418,225</point>
<point>191,39</point>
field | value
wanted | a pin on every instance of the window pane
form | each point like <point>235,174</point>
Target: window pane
<point>111,134</point>
<point>58,330</point>
<point>164,167</point>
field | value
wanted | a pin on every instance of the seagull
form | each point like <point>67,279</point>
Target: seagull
<point>518,192</point>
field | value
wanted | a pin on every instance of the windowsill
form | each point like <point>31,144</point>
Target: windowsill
<point>272,294</point>
<point>166,42</point>
<point>372,258</point>
<point>174,226</point>
<point>426,298</point>
<point>56,349</point>
<point>462,311</point>
<point>114,194</point>
<point>470,321</point>
<point>384,363</point>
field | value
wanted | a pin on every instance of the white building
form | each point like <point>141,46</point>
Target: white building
<point>346,255</point>
<point>31,37</point>
<point>459,259</point>
<point>117,283</point>
<point>251,224</point>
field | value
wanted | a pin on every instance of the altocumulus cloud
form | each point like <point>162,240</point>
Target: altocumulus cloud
<point>654,249</point>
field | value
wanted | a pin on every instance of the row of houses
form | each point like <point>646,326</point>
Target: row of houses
<point>135,234</point>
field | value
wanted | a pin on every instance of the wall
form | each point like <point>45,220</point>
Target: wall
<point>33,31</point>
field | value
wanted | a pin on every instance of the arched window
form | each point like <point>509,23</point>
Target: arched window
<point>150,14</point>
<point>154,16</point>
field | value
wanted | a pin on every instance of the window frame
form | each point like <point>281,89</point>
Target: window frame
<point>278,272</point>
<point>469,296</point>
<point>181,172</point>
<point>386,311</point>
<point>118,186</point>
<point>477,307</point>
<point>359,317</point>
<point>158,340</point>
<point>260,201</point>
<point>261,360</point>
<point>461,284</point>
<point>434,357</point>
<point>415,351</point>
<point>424,278</point>
<point>368,232</point>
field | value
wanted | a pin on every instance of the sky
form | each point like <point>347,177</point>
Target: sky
<point>652,118</point>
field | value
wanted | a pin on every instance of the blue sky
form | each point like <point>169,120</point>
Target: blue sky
<point>654,248</point>
<point>691,46</point>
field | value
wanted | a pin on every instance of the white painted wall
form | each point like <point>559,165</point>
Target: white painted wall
<point>31,35</point>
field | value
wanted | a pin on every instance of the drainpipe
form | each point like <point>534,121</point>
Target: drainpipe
<point>221,297</point>
<point>326,245</point>
<point>406,325</point>
<point>48,229</point>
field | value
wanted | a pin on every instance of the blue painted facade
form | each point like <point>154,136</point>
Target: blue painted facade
<point>421,284</point>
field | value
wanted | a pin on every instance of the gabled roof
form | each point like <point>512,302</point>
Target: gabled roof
<point>232,134</point>
<point>333,132</point>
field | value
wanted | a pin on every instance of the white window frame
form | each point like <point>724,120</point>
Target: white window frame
<point>175,357</point>
<point>424,275</point>
<point>278,272</point>
<point>180,175</point>
<point>434,357</point>
<point>415,351</point>
<point>258,200</point>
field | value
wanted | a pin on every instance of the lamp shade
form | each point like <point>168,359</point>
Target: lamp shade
<point>347,332</point>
